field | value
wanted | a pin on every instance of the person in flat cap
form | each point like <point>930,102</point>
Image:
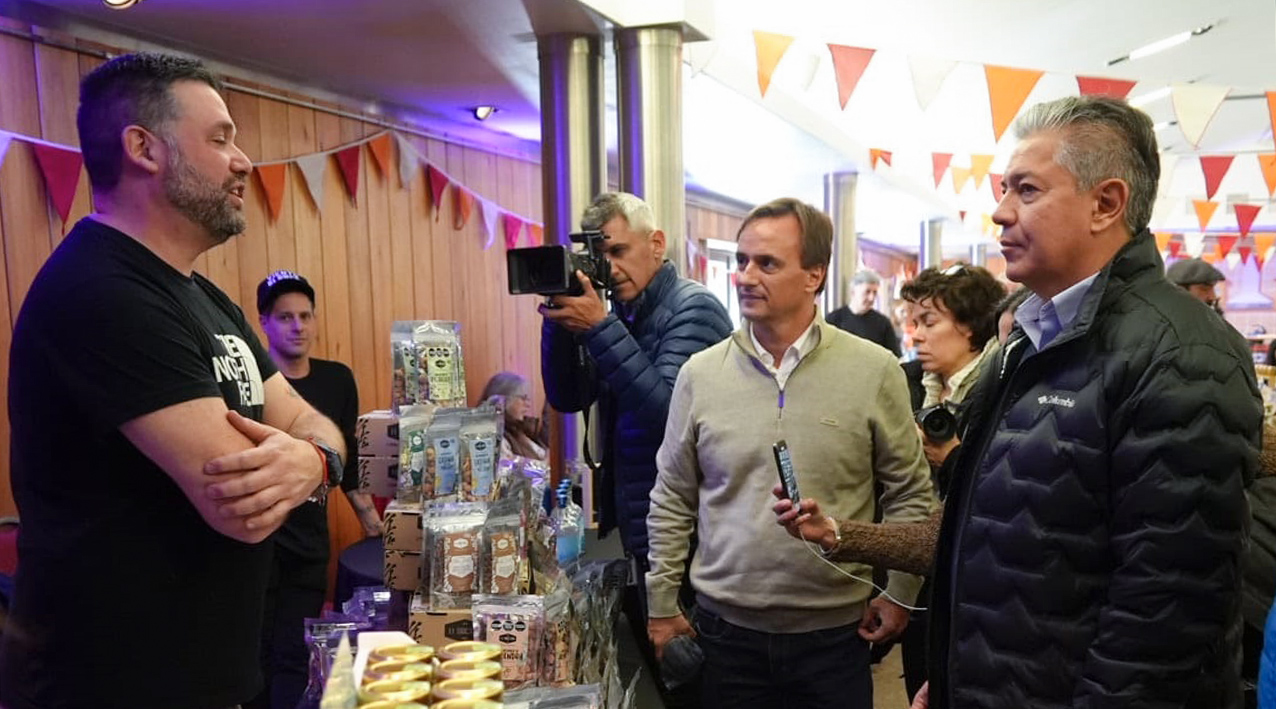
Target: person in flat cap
<point>1198,278</point>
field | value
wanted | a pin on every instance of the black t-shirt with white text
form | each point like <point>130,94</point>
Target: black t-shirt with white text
<point>125,596</point>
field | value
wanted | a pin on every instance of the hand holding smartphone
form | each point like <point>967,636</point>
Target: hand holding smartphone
<point>788,479</point>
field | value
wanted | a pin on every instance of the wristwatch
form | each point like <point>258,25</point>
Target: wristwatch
<point>333,468</point>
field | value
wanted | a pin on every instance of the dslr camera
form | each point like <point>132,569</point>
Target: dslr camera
<point>551,270</point>
<point>938,422</point>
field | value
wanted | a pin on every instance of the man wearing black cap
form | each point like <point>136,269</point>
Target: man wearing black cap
<point>1198,278</point>
<point>298,578</point>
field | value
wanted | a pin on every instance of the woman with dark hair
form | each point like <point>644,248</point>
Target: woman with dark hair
<point>954,328</point>
<point>519,433</point>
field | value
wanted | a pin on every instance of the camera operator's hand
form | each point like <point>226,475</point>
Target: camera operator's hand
<point>937,451</point>
<point>577,313</point>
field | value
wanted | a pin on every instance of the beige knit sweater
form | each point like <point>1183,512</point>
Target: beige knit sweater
<point>846,417</point>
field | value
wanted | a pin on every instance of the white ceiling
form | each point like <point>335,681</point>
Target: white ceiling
<point>441,57</point>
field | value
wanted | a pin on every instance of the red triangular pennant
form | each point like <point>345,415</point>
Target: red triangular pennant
<point>1245,215</point>
<point>462,207</point>
<point>273,179</point>
<point>1215,168</point>
<point>997,192</point>
<point>380,149</point>
<point>61,168</point>
<point>962,213</point>
<point>875,154</point>
<point>513,228</point>
<point>1175,247</point>
<point>940,163</point>
<point>849,64</point>
<point>1097,86</point>
<point>348,161</point>
<point>438,182</point>
<point>1225,244</point>
<point>1245,252</point>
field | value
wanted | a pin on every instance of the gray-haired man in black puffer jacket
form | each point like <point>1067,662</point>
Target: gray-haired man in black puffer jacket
<point>1090,553</point>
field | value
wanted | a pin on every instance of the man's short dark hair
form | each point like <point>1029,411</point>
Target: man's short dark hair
<point>133,89</point>
<point>817,230</point>
<point>969,293</point>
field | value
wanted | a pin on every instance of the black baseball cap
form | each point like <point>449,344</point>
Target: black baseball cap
<point>278,283</point>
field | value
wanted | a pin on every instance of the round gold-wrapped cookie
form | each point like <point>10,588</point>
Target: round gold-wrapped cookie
<point>399,670</point>
<point>469,669</point>
<point>470,650</point>
<point>469,689</point>
<point>410,653</point>
<point>394,691</point>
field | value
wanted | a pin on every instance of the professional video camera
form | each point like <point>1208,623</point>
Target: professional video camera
<point>551,270</point>
<point>938,422</point>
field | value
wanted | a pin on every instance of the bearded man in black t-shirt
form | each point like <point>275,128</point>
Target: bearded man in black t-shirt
<point>154,444</point>
<point>299,570</point>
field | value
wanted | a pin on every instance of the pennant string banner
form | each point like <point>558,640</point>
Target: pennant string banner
<point>348,161</point>
<point>1215,168</point>
<point>849,64</point>
<point>438,182</point>
<point>1096,86</point>
<point>1195,106</point>
<point>380,149</point>
<point>1008,88</point>
<point>490,213</point>
<point>61,167</point>
<point>1204,210</point>
<point>940,163</point>
<point>770,48</point>
<point>1268,165</point>
<point>312,168</point>
<point>273,179</point>
<point>1245,215</point>
<point>462,207</point>
<point>513,229</point>
<point>1225,244</point>
<point>979,167</point>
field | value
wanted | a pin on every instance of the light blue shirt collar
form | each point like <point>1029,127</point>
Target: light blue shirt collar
<point>1065,306</point>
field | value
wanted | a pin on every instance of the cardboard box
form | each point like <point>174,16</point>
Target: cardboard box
<point>438,628</point>
<point>379,475</point>
<point>378,433</point>
<point>402,571</point>
<point>403,527</point>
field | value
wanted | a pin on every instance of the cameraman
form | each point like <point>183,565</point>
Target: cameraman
<point>633,355</point>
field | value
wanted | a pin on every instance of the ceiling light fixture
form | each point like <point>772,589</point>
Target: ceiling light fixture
<point>1149,97</point>
<point>1161,45</point>
<point>120,4</point>
<point>1164,124</point>
<point>482,113</point>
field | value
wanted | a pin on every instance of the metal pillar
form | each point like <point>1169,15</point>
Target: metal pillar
<point>931,252</point>
<point>839,204</point>
<point>979,254</point>
<point>573,163</point>
<point>649,106</point>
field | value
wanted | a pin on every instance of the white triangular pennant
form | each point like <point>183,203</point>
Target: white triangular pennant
<point>1195,106</point>
<point>312,168</point>
<point>1194,244</point>
<point>491,214</point>
<point>409,161</point>
<point>928,77</point>
<point>5,138</point>
<point>1169,162</point>
<point>1233,260</point>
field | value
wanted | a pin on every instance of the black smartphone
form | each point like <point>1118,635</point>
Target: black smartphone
<point>788,479</point>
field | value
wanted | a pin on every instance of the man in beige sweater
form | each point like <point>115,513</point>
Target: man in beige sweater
<point>779,625</point>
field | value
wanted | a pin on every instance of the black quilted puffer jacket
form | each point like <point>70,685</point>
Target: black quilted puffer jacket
<point>1090,550</point>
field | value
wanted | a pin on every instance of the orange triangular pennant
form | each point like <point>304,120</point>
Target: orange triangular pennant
<point>1008,88</point>
<point>380,148</point>
<point>462,207</point>
<point>848,64</point>
<point>61,169</point>
<point>1096,86</point>
<point>348,161</point>
<point>1271,111</point>
<point>273,180</point>
<point>1225,244</point>
<point>960,176</point>
<point>1162,239</point>
<point>979,167</point>
<point>536,234</point>
<point>1262,242</point>
<point>1245,215</point>
<point>1204,210</point>
<point>1268,165</point>
<point>1211,256</point>
<point>1215,168</point>
<point>770,48</point>
<point>875,154</point>
<point>940,163</point>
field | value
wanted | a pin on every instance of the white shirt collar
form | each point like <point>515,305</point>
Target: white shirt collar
<point>800,348</point>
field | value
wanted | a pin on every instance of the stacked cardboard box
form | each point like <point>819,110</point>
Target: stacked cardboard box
<point>378,435</point>
<point>403,546</point>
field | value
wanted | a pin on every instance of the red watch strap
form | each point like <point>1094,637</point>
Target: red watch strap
<point>323,462</point>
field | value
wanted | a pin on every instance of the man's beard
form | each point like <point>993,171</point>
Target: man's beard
<point>202,202</point>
